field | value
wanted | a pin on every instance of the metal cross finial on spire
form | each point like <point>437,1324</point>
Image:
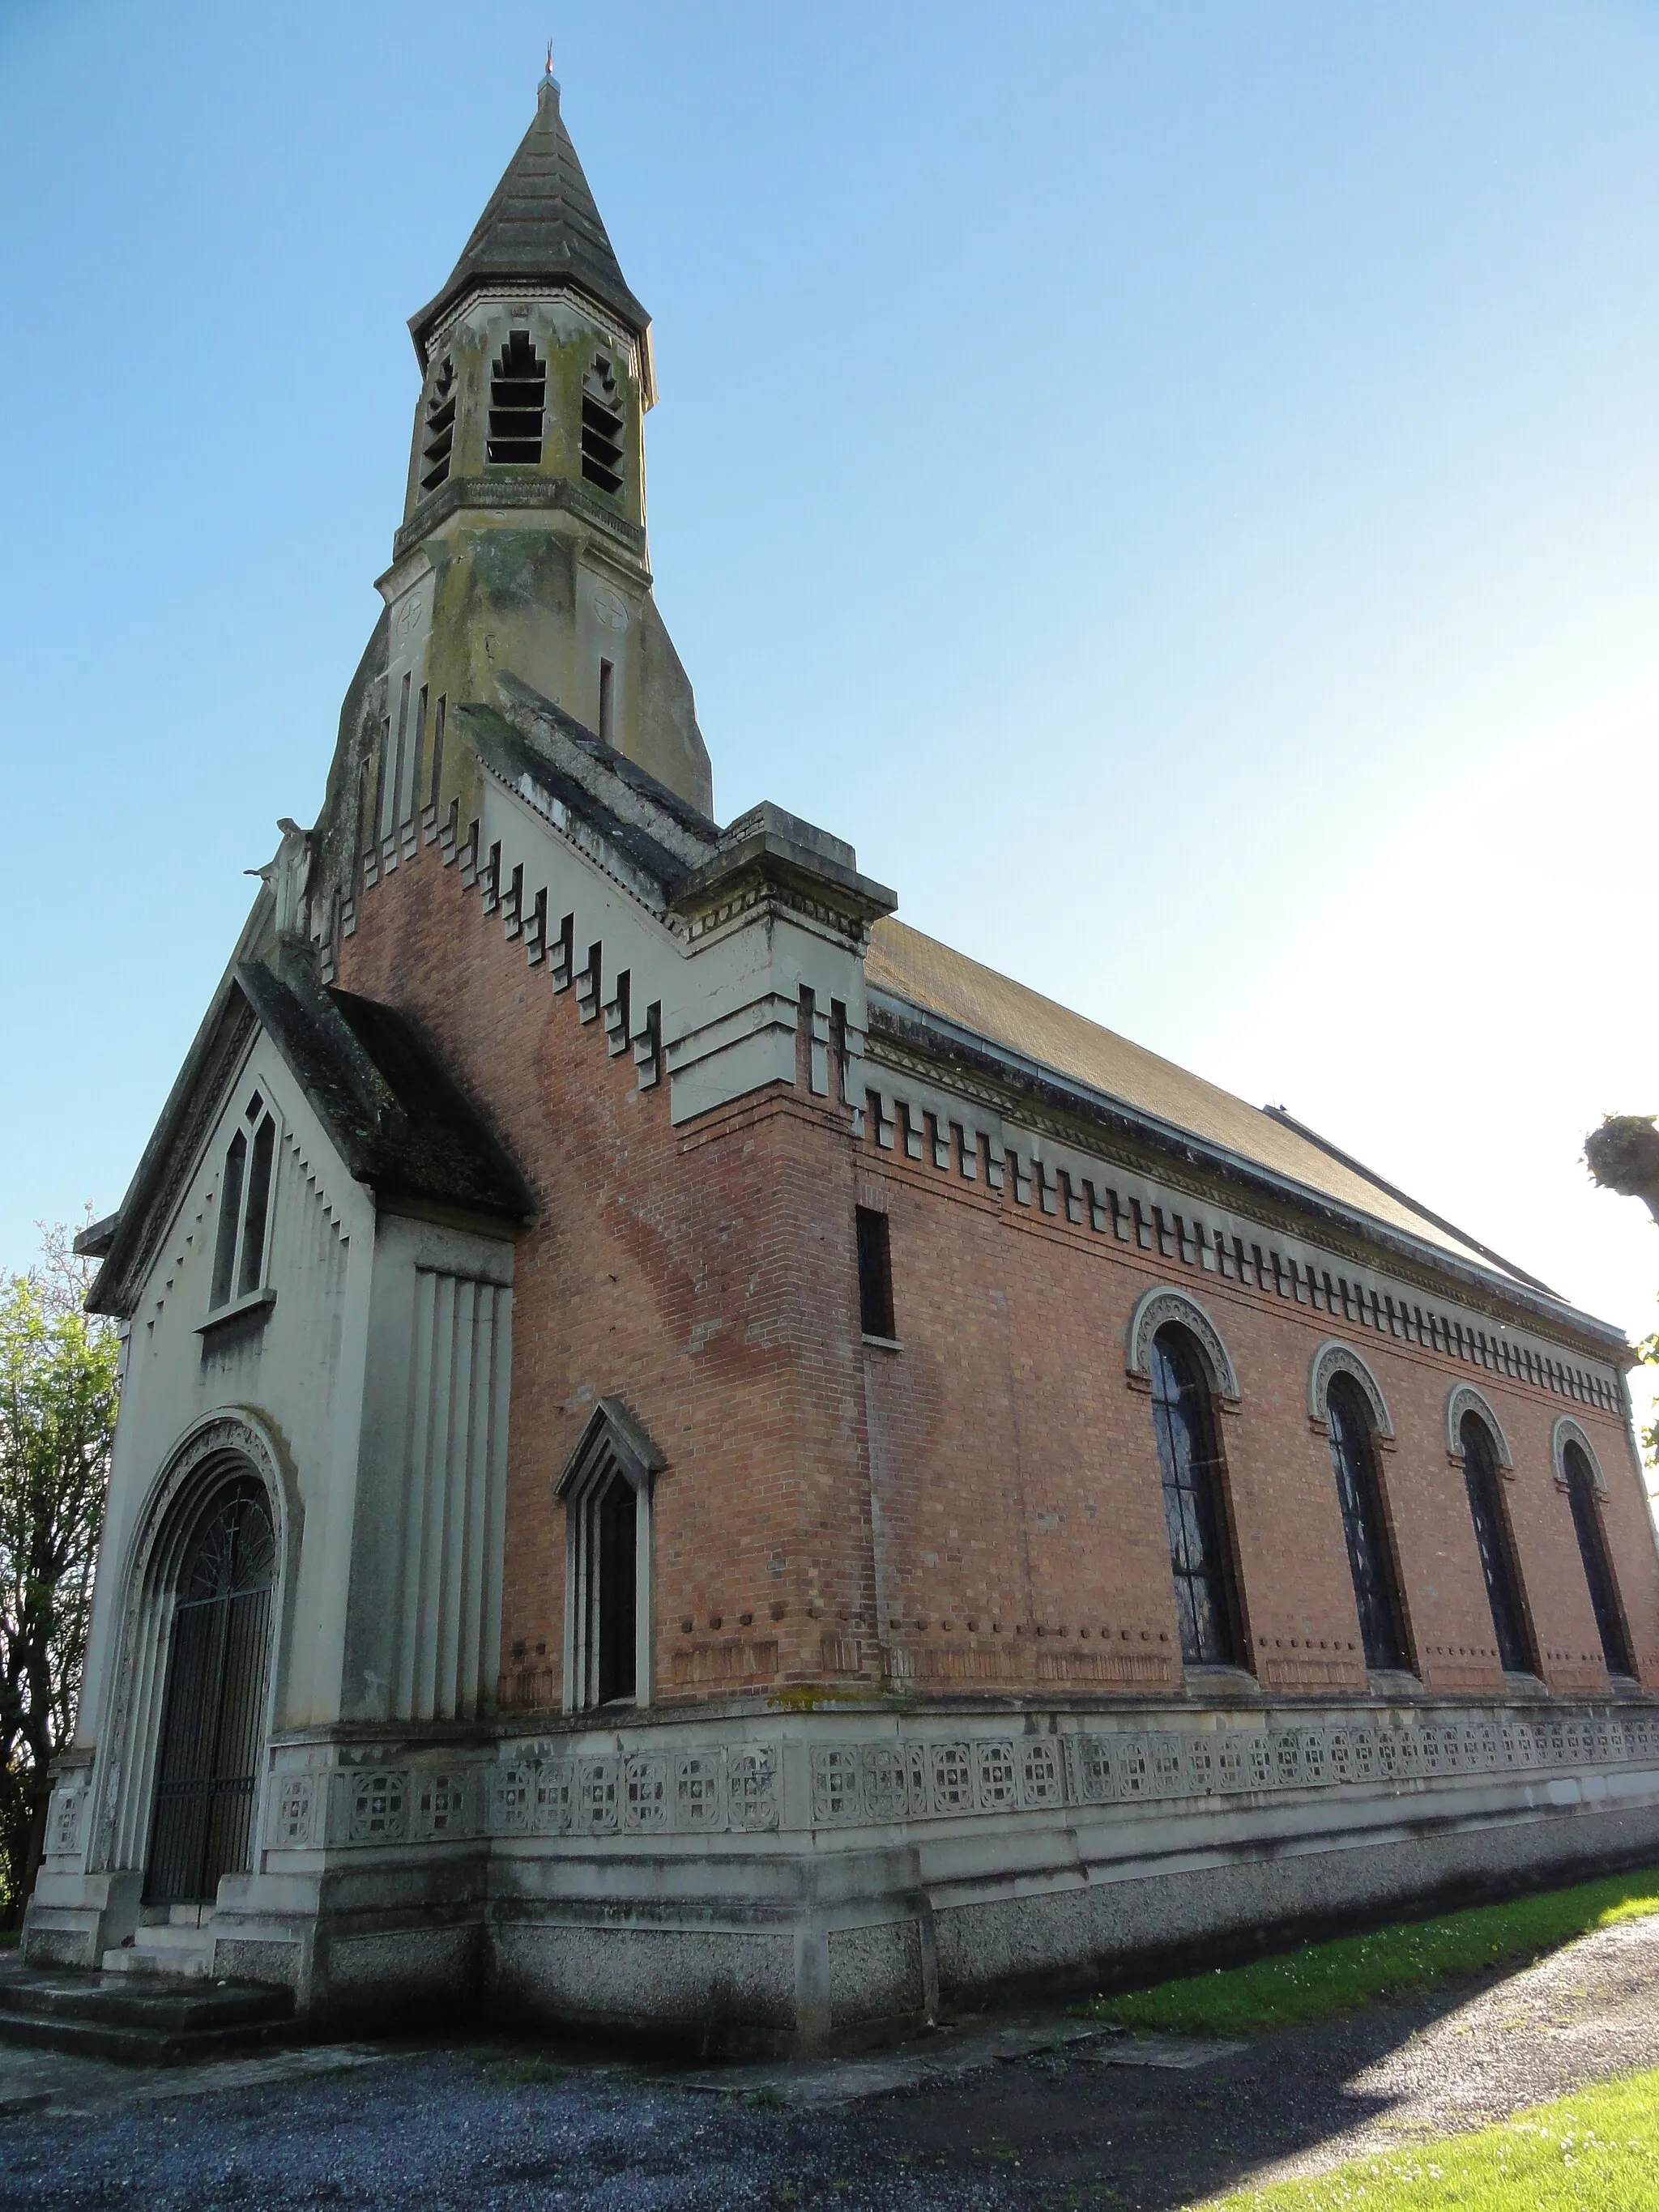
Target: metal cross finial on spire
<point>547,78</point>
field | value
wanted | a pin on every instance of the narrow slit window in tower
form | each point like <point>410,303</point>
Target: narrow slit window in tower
<point>436,790</point>
<point>518,396</point>
<point>439,435</point>
<point>607,691</point>
<point>602,427</point>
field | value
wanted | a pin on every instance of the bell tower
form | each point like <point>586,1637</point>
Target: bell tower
<point>523,548</point>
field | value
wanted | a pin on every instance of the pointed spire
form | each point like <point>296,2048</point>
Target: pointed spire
<point>541,226</point>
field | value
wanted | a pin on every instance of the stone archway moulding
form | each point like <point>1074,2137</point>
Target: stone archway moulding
<point>1464,1398</point>
<point>1568,1431</point>
<point>1159,1305</point>
<point>232,1437</point>
<point>1334,1358</point>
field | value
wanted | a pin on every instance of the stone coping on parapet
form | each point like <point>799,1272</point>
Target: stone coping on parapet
<point>881,1706</point>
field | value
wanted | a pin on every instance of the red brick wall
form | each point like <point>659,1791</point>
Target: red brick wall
<point>1012,1450</point>
<point>707,1278</point>
<point>984,1503</point>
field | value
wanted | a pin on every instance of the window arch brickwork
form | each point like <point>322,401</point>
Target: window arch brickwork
<point>1334,1358</point>
<point>1568,1431</point>
<point>1463,1398</point>
<point>1155,1309</point>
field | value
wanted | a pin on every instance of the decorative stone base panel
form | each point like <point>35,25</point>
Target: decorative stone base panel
<point>783,1881</point>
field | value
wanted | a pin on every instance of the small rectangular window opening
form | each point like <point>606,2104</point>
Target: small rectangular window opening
<point>875,1273</point>
<point>606,694</point>
<point>383,770</point>
<point>394,781</point>
<point>416,756</point>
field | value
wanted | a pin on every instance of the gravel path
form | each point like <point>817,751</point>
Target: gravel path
<point>505,2130</point>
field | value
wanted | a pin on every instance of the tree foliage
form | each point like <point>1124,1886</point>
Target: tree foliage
<point>1623,1155</point>
<point>58,1375</point>
<point>1648,1352</point>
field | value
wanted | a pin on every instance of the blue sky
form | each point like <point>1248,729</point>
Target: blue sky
<point>1179,487</point>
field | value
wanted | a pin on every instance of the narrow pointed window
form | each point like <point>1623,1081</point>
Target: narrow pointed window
<point>1598,1565</point>
<point>240,1251</point>
<point>230,1220</point>
<point>1193,1507</point>
<point>439,436</point>
<point>602,427</point>
<point>518,398</point>
<point>258,1215</point>
<point>1491,1539</point>
<point>1370,1560</point>
<point>606,1489</point>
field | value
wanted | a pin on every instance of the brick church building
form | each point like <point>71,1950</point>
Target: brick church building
<point>691,1457</point>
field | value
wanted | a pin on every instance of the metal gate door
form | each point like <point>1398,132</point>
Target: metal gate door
<point>213,1708</point>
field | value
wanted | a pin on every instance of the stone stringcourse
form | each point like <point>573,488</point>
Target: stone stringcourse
<point>737,1790</point>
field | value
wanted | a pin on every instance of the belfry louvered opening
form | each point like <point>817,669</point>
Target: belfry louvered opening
<point>518,402</point>
<point>602,427</point>
<point>440,435</point>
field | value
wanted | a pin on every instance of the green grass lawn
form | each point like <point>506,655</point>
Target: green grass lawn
<point>1320,1978</point>
<point>1595,2152</point>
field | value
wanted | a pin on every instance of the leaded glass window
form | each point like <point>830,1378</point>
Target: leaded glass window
<point>1370,1560</point>
<point>1492,1538</point>
<point>1192,1503</point>
<point>1598,1566</point>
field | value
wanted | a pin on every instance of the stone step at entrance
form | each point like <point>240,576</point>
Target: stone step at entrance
<point>180,1945</point>
<point>148,2019</point>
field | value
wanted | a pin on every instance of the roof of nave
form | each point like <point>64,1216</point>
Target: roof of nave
<point>540,226</point>
<point>931,976</point>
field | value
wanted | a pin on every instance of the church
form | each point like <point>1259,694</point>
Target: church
<point>693,1462</point>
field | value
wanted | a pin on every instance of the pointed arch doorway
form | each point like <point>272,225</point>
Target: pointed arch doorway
<point>214,1697</point>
